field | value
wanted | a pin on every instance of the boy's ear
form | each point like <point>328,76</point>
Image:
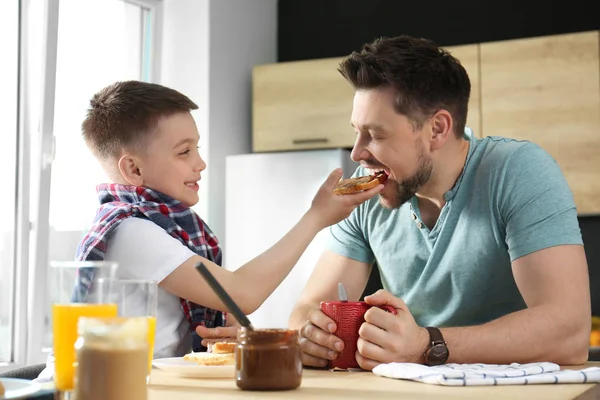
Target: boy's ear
<point>130,170</point>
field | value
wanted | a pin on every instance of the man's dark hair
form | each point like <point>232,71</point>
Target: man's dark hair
<point>426,78</point>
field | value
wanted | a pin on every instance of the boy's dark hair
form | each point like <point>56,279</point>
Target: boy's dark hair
<point>425,77</point>
<point>124,114</point>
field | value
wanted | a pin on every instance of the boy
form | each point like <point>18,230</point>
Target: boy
<point>146,140</point>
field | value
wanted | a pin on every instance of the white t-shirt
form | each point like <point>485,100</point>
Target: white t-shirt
<point>144,250</point>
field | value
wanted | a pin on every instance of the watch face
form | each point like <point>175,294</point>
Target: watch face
<point>438,354</point>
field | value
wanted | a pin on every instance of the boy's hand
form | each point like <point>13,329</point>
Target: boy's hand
<point>330,208</point>
<point>227,333</point>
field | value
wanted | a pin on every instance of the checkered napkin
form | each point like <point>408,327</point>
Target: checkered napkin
<point>487,374</point>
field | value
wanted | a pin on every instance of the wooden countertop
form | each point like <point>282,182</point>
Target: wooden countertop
<point>319,384</point>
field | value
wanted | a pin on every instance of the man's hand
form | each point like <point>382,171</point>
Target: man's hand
<point>317,342</point>
<point>385,337</point>
<point>227,333</point>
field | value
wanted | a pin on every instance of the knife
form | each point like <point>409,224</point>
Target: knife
<point>342,293</point>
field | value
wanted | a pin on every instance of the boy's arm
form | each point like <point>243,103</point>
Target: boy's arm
<point>322,285</point>
<point>251,284</point>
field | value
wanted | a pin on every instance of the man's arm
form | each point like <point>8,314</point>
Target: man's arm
<point>549,268</point>
<point>316,329</point>
<point>554,327</point>
<point>554,283</point>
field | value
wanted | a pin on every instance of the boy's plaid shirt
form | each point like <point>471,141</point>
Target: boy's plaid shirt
<point>118,202</point>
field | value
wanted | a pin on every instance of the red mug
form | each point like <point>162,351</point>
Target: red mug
<point>348,317</point>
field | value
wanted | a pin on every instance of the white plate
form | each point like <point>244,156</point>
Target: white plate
<point>18,388</point>
<point>189,369</point>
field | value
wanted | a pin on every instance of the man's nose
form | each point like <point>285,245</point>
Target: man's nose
<point>359,151</point>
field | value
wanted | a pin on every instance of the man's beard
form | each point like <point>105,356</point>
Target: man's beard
<point>406,189</point>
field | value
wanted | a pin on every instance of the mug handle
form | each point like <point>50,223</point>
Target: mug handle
<point>387,308</point>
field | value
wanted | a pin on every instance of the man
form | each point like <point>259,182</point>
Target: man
<point>476,240</point>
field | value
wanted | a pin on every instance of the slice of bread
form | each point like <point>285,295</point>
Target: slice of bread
<point>222,347</point>
<point>1,389</point>
<point>210,359</point>
<point>355,185</point>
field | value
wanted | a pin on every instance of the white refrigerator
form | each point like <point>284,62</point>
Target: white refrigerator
<point>266,194</point>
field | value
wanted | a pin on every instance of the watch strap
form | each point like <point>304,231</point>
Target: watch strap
<point>437,352</point>
<point>435,335</point>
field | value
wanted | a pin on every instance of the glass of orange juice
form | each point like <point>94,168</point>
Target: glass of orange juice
<point>73,295</point>
<point>134,298</point>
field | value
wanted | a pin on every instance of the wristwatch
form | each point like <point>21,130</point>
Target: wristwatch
<point>437,353</point>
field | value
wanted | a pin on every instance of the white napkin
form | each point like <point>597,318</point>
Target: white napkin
<point>487,374</point>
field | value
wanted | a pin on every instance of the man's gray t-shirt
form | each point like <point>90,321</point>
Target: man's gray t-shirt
<point>510,200</point>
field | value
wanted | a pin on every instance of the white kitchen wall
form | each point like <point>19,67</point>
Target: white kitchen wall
<point>208,50</point>
<point>259,216</point>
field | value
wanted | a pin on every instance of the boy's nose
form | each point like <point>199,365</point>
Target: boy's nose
<point>200,165</point>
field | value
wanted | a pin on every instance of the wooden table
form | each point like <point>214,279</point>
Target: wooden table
<point>318,384</point>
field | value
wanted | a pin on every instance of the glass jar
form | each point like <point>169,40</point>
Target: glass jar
<point>112,358</point>
<point>268,359</point>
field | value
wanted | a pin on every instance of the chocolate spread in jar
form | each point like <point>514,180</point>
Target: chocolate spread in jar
<point>268,359</point>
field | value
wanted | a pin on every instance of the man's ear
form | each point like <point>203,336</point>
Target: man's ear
<point>129,166</point>
<point>441,129</point>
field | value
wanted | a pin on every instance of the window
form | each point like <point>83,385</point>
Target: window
<point>9,72</point>
<point>91,55</point>
<point>99,42</point>
<point>55,56</point>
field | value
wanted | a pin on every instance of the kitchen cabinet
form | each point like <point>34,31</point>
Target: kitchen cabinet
<point>308,104</point>
<point>468,55</point>
<point>301,105</point>
<point>547,90</point>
